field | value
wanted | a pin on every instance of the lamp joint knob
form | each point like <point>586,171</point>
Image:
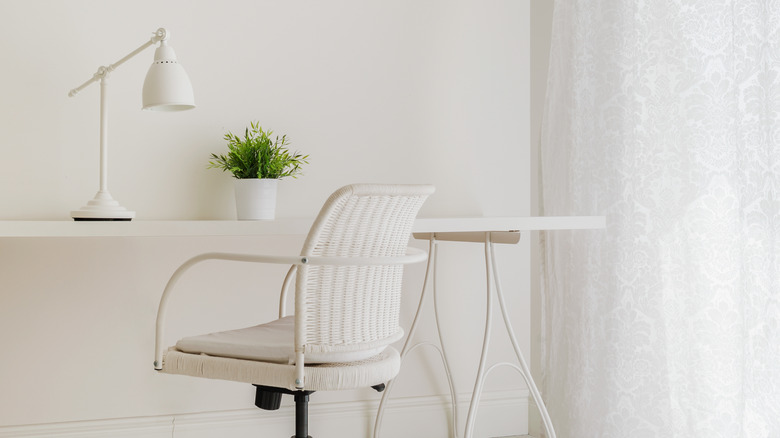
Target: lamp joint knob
<point>161,34</point>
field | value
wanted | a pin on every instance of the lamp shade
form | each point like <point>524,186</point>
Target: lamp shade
<point>167,86</point>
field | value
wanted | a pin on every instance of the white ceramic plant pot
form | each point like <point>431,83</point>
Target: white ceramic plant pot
<point>256,198</point>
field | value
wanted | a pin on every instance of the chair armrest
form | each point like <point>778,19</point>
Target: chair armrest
<point>413,255</point>
<point>184,267</point>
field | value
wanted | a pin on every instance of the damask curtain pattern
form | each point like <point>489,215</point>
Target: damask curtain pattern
<point>663,115</point>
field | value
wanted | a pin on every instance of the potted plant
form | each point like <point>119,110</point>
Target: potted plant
<point>257,162</point>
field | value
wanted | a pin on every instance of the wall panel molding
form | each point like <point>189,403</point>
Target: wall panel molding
<point>409,416</point>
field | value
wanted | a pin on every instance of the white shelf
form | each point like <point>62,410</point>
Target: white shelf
<point>140,228</point>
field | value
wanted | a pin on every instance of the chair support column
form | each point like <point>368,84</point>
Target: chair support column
<point>302,414</point>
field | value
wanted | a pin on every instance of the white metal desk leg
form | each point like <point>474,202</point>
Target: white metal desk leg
<point>526,372</point>
<point>491,268</point>
<point>442,349</point>
<point>432,257</point>
<point>477,393</point>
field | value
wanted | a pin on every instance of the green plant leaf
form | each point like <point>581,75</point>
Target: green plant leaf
<point>257,156</point>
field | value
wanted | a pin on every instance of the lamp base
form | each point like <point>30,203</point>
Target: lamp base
<point>102,208</point>
<point>101,219</point>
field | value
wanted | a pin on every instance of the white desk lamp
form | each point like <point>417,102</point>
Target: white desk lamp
<point>166,88</point>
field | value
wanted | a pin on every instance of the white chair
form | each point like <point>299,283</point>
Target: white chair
<point>347,304</point>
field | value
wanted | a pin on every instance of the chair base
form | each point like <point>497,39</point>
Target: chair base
<point>269,398</point>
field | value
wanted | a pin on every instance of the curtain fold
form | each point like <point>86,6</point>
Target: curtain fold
<point>663,115</point>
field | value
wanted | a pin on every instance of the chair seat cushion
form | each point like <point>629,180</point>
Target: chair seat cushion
<point>271,342</point>
<point>324,377</point>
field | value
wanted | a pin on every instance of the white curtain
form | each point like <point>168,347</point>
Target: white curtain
<point>663,115</point>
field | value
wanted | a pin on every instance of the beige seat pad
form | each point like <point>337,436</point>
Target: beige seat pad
<point>270,342</point>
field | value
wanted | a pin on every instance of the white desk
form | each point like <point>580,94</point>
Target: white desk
<point>141,228</point>
<point>486,230</point>
<point>489,231</point>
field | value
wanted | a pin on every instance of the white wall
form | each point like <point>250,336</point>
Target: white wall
<point>401,91</point>
<point>433,91</point>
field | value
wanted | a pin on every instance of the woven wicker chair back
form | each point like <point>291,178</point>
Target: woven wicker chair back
<point>347,308</point>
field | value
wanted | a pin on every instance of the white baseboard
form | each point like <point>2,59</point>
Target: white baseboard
<point>501,413</point>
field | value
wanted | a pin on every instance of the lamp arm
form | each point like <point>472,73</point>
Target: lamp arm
<point>160,35</point>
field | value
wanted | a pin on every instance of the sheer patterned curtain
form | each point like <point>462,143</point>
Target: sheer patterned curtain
<point>663,115</point>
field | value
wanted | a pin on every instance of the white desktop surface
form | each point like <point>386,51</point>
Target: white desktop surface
<point>141,228</point>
